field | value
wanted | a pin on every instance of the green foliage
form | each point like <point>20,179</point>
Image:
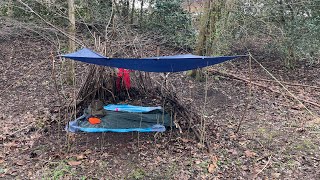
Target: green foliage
<point>290,28</point>
<point>169,19</point>
<point>4,7</point>
<point>59,171</point>
<point>56,12</point>
<point>137,174</point>
<point>93,12</point>
<point>298,22</point>
<point>165,18</point>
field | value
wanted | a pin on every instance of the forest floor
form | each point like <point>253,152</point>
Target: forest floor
<point>278,138</point>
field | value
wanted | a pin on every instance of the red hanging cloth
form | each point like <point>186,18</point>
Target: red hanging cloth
<point>123,79</point>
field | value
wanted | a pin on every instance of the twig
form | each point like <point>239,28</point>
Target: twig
<point>55,79</point>
<point>285,88</point>
<point>196,130</point>
<point>50,24</point>
<point>289,84</point>
<point>265,166</point>
<point>249,100</point>
<point>197,133</point>
<point>178,126</point>
<point>19,130</point>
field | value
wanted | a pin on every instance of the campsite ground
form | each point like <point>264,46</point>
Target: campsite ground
<point>273,140</point>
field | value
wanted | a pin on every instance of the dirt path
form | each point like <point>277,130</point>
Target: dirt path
<point>270,142</point>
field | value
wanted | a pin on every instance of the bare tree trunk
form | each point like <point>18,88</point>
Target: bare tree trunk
<point>72,25</point>
<point>202,38</point>
<point>208,29</point>
<point>116,6</point>
<point>132,12</point>
<point>141,12</point>
<point>72,46</point>
<point>125,10</point>
<point>10,11</point>
<point>189,6</point>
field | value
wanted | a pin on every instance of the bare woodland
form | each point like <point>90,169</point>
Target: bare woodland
<point>256,117</point>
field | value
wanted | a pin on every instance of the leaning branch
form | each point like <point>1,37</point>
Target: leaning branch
<point>264,86</point>
<point>50,24</point>
<point>289,84</point>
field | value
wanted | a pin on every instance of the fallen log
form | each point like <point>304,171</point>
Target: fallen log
<point>264,86</point>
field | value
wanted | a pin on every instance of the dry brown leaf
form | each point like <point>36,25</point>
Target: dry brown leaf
<point>316,121</point>
<point>214,159</point>
<point>20,163</point>
<point>74,163</point>
<point>11,145</point>
<point>245,168</point>
<point>233,136</point>
<point>200,145</point>
<point>88,151</point>
<point>197,162</point>
<point>276,175</point>
<point>158,159</point>
<point>233,151</point>
<point>242,143</point>
<point>91,162</point>
<point>80,157</point>
<point>184,140</point>
<point>298,107</point>
<point>106,155</point>
<point>249,153</point>
<point>213,166</point>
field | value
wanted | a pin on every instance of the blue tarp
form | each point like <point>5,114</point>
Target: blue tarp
<point>153,64</point>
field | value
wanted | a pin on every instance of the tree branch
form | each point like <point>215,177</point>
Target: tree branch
<point>50,24</point>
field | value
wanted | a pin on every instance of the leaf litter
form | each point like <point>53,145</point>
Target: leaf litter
<point>270,128</point>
